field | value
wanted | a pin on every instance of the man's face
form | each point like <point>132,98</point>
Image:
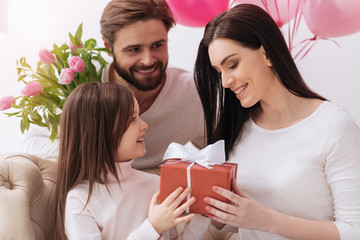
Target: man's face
<point>140,53</point>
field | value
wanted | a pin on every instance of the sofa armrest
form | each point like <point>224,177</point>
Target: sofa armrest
<point>27,196</point>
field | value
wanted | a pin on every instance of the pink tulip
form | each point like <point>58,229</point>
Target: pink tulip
<point>5,102</point>
<point>73,47</point>
<point>66,76</point>
<point>32,89</point>
<point>76,64</point>
<point>46,57</point>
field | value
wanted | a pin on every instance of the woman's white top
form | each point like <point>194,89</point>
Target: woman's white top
<point>309,170</point>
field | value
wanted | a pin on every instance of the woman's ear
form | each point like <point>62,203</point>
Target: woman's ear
<point>266,58</point>
<point>107,45</point>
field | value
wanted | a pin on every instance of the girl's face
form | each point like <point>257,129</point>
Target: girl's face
<point>247,72</point>
<point>132,142</point>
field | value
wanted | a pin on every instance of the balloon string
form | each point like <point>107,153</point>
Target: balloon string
<point>266,6</point>
<point>308,50</point>
<point>279,23</point>
<point>297,19</point>
<point>314,40</point>
<point>302,49</point>
<point>289,38</point>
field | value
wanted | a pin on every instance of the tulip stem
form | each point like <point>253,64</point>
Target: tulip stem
<point>57,66</point>
<point>56,103</point>
<point>54,82</point>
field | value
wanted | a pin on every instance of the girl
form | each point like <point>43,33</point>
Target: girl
<point>298,154</point>
<point>99,194</point>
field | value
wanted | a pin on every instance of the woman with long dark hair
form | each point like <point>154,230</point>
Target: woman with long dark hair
<point>298,154</point>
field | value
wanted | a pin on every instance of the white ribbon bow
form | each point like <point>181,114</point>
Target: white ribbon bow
<point>210,155</point>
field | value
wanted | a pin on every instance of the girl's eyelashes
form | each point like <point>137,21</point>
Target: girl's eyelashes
<point>133,119</point>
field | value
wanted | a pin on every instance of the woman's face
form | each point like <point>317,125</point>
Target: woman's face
<point>132,142</point>
<point>247,72</point>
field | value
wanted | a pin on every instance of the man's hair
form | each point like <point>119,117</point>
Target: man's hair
<point>93,121</point>
<point>119,13</point>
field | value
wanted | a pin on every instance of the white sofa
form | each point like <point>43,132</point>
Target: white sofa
<point>27,196</point>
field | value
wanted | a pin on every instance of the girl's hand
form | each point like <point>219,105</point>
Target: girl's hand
<point>244,213</point>
<point>167,214</point>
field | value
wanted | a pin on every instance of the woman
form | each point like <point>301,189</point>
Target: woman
<point>298,154</point>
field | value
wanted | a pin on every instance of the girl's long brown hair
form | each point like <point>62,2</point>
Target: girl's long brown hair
<point>93,120</point>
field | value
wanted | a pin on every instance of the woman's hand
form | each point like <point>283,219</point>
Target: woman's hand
<point>244,213</point>
<point>168,214</point>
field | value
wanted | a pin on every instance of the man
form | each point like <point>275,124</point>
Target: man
<point>136,33</point>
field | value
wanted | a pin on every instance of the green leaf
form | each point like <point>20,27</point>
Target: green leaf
<point>78,34</point>
<point>13,114</point>
<point>90,43</point>
<point>19,70</point>
<point>22,126</point>
<point>35,116</point>
<point>39,123</point>
<point>64,47</point>
<point>91,67</point>
<point>99,74</point>
<point>49,70</point>
<point>53,134</point>
<point>53,121</point>
<point>72,39</point>
<point>101,50</point>
<point>24,63</point>
<point>21,77</point>
<point>55,47</point>
<point>100,60</point>
<point>26,124</point>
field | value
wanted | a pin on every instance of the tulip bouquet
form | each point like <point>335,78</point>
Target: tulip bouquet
<point>47,86</point>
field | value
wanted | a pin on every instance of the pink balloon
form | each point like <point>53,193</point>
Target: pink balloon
<point>282,11</point>
<point>197,13</point>
<point>332,18</point>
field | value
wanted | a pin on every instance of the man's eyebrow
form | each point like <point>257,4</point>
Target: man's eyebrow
<point>160,41</point>
<point>131,46</point>
<point>139,45</point>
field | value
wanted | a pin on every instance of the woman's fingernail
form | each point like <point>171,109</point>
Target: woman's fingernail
<point>208,208</point>
<point>207,200</point>
<point>215,188</point>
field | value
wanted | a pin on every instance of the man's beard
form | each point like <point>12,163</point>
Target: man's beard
<point>146,83</point>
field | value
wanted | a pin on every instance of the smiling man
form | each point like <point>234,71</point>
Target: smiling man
<point>136,33</point>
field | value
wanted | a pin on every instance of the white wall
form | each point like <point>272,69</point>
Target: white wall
<point>35,24</point>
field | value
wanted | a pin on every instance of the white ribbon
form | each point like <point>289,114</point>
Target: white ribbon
<point>210,155</point>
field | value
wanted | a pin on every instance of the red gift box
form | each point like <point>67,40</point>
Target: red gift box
<point>174,174</point>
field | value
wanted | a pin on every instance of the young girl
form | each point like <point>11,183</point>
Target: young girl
<point>99,194</point>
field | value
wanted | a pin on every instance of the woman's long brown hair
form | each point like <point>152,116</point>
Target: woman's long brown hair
<point>252,27</point>
<point>93,120</point>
